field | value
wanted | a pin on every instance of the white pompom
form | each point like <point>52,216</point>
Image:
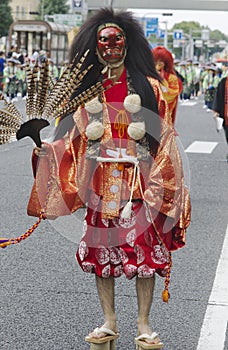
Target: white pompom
<point>94,106</point>
<point>136,130</point>
<point>126,212</point>
<point>132,103</point>
<point>94,130</point>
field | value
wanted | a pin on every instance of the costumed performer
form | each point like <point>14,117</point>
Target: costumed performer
<point>220,105</point>
<point>118,156</point>
<point>171,84</point>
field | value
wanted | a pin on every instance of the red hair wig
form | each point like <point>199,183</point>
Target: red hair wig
<point>160,53</point>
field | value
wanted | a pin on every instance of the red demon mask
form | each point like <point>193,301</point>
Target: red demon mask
<point>111,43</point>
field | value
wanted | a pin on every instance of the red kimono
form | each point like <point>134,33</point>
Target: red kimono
<point>68,179</point>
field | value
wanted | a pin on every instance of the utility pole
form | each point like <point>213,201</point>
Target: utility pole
<point>166,29</point>
<point>42,10</point>
<point>191,45</point>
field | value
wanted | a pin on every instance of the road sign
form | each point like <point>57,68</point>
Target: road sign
<point>205,34</point>
<point>151,23</point>
<point>80,6</point>
<point>77,3</point>
<point>177,34</point>
<point>161,33</point>
<point>198,43</point>
<point>151,26</point>
<point>210,44</point>
<point>222,43</point>
<point>177,43</point>
<point>148,33</point>
<point>70,19</point>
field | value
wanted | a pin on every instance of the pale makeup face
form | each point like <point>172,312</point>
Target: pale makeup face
<point>159,66</point>
<point>111,44</point>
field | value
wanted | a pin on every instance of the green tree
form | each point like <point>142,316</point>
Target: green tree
<point>187,26</point>
<point>6,17</point>
<point>51,7</point>
<point>194,30</point>
<point>216,35</point>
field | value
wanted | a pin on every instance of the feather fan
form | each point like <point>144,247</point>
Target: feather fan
<point>43,104</point>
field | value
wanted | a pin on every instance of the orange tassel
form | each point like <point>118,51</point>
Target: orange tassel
<point>4,242</point>
<point>165,293</point>
<point>121,123</point>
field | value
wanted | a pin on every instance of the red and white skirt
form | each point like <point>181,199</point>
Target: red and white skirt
<point>112,247</point>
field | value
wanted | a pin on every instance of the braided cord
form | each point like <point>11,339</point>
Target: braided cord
<point>5,242</point>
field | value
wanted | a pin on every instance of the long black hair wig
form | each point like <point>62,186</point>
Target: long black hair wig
<point>139,62</point>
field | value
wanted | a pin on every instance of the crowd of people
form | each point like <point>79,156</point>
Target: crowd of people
<point>200,78</point>
<point>13,71</point>
<point>209,80</point>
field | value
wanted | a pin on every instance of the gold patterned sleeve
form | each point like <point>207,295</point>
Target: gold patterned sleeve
<point>173,89</point>
<point>163,108</point>
<point>61,176</point>
<point>166,191</point>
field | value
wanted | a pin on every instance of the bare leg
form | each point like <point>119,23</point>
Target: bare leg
<point>105,288</point>
<point>145,290</point>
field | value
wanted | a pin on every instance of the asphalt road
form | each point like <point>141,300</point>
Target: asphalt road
<point>48,303</point>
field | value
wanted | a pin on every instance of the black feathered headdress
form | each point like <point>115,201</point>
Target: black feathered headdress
<point>139,61</point>
<point>138,58</point>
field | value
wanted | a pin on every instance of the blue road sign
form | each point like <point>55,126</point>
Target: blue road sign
<point>151,26</point>
<point>77,3</point>
<point>151,23</point>
<point>177,34</point>
<point>161,33</point>
<point>151,32</point>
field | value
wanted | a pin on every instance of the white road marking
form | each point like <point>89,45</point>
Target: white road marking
<point>201,147</point>
<point>187,103</point>
<point>213,331</point>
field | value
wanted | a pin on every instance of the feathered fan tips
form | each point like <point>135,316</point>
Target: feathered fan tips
<point>60,101</point>
<point>50,104</point>
<point>13,122</point>
<point>43,104</point>
<point>38,81</point>
<point>10,120</point>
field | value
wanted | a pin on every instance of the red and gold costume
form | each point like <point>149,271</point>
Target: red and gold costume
<point>112,245</point>
<point>171,93</point>
<point>171,84</point>
<point>116,154</point>
<point>120,160</point>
